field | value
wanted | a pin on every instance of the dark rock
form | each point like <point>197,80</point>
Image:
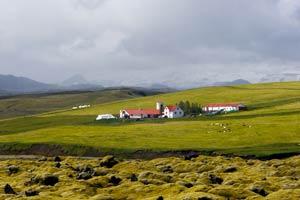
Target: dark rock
<point>114,180</point>
<point>8,189</point>
<point>30,193</point>
<point>160,198</point>
<point>49,180</point>
<point>84,176</point>
<point>85,168</point>
<point>133,178</point>
<point>70,175</point>
<point>42,159</point>
<point>85,172</point>
<point>204,198</point>
<point>95,185</point>
<point>12,169</point>
<point>259,190</point>
<point>166,169</point>
<point>108,161</point>
<point>215,179</point>
<point>57,165</point>
<point>230,169</point>
<point>29,183</point>
<point>191,155</point>
<point>57,159</point>
<point>188,185</point>
<point>145,181</point>
<point>100,172</point>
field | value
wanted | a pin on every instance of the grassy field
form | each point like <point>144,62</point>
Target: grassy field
<point>271,126</point>
<point>24,105</point>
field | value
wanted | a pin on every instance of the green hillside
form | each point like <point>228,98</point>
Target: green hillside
<point>272,124</point>
<point>24,105</point>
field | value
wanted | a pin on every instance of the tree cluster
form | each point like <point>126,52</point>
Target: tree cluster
<point>190,108</point>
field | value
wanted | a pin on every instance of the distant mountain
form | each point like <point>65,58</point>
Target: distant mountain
<point>75,80</point>
<point>78,82</point>
<point>161,87</point>
<point>235,82</point>
<point>4,93</point>
<point>10,84</point>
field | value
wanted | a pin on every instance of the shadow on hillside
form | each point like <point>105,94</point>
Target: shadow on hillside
<point>262,88</point>
<point>228,117</point>
<point>273,103</point>
<point>265,152</point>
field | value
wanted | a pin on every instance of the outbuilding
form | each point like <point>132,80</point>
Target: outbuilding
<point>226,107</point>
<point>139,113</point>
<point>105,116</point>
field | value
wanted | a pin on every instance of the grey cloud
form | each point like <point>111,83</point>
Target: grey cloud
<point>89,4</point>
<point>137,39</point>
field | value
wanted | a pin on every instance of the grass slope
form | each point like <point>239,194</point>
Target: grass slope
<point>272,125</point>
<point>24,105</point>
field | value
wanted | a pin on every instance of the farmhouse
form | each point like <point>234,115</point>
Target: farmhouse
<point>160,112</point>
<point>226,107</point>
<point>173,111</point>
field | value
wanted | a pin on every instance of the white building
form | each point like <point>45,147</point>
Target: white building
<point>173,112</point>
<point>139,113</point>
<point>160,111</point>
<point>105,116</point>
<point>84,106</point>
<point>227,107</point>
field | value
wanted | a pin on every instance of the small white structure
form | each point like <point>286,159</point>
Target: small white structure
<point>227,107</point>
<point>173,112</point>
<point>84,106</point>
<point>105,116</point>
<point>75,108</point>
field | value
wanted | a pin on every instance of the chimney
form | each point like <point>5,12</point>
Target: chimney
<point>160,106</point>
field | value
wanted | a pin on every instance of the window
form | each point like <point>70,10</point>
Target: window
<point>175,113</point>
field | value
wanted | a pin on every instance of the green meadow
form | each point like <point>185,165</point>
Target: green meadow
<point>270,126</point>
<point>32,104</point>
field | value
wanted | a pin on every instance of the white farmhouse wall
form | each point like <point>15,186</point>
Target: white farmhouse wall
<point>173,114</point>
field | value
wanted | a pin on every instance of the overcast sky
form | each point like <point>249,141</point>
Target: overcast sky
<point>139,41</point>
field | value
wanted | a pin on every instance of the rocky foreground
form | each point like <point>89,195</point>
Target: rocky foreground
<point>201,177</point>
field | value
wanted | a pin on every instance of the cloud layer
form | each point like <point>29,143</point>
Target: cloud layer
<point>142,41</point>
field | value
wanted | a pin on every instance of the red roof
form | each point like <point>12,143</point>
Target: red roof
<point>171,107</point>
<point>223,105</point>
<point>143,111</point>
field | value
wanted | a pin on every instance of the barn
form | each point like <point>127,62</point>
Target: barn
<point>139,113</point>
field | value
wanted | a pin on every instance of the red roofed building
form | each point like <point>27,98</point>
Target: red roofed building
<point>140,113</point>
<point>160,111</point>
<point>173,111</point>
<point>227,107</point>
